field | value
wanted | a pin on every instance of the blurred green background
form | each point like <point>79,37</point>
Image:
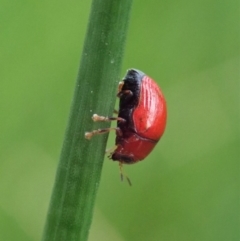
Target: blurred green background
<point>188,188</point>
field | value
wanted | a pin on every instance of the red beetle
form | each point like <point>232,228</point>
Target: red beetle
<point>141,118</point>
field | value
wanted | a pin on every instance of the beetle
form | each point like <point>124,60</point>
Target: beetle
<point>141,118</point>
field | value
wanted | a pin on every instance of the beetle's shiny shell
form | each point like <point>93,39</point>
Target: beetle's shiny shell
<point>145,113</point>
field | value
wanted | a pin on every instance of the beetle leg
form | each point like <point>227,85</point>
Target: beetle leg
<point>122,174</point>
<point>88,135</point>
<point>96,117</point>
<point>120,85</point>
<point>110,150</point>
<point>124,92</point>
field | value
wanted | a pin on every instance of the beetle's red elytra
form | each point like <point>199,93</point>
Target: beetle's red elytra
<point>141,118</point>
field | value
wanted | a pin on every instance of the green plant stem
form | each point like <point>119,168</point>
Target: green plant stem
<point>79,170</point>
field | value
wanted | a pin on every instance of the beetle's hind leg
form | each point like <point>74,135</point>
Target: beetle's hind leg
<point>89,134</point>
<point>97,117</point>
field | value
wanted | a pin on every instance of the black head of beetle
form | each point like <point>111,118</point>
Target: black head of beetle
<point>129,96</point>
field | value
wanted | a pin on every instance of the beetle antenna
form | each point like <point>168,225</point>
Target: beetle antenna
<point>122,174</point>
<point>121,177</point>
<point>129,181</point>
